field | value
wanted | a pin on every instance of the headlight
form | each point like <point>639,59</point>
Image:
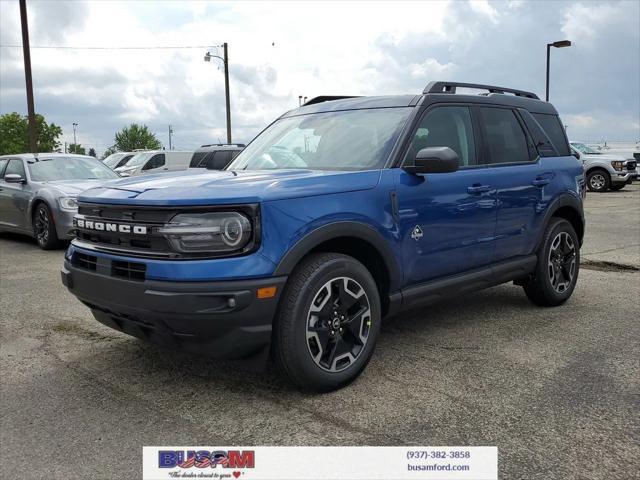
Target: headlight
<point>68,203</point>
<point>208,232</point>
<point>617,165</point>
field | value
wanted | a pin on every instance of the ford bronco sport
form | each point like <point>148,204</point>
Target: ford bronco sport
<point>341,212</point>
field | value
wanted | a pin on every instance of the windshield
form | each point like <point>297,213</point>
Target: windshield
<point>346,140</point>
<point>582,148</point>
<point>138,159</point>
<point>68,168</point>
<point>113,159</point>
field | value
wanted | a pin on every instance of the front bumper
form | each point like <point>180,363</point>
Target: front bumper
<point>623,176</point>
<point>63,220</point>
<point>217,319</point>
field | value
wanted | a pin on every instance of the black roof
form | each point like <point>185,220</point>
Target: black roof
<point>434,92</point>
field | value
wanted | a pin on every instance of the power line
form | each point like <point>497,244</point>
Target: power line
<point>67,47</point>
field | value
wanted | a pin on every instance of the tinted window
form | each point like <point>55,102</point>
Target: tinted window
<point>197,160</point>
<point>3,163</point>
<point>506,140</point>
<point>446,127</point>
<point>155,162</point>
<point>554,130</point>
<point>15,167</point>
<point>124,160</point>
<point>220,159</point>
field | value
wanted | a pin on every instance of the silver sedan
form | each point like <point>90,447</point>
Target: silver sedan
<point>38,193</point>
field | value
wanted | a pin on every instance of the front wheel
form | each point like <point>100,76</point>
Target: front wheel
<point>328,322</point>
<point>556,272</point>
<point>598,181</point>
<point>44,229</point>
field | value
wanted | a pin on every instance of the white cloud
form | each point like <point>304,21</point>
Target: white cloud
<point>279,50</point>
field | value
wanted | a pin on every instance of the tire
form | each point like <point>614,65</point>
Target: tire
<point>304,348</point>
<point>556,272</point>
<point>44,230</point>
<point>619,186</point>
<point>598,180</point>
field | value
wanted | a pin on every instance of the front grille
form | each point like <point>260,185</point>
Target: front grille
<point>631,165</point>
<point>86,262</point>
<point>137,244</point>
<point>128,270</point>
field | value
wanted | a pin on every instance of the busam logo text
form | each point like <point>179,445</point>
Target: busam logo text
<point>206,459</point>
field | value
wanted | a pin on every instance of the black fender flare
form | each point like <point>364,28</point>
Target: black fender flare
<point>564,200</point>
<point>330,231</point>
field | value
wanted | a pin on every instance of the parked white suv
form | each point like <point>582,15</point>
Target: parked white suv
<point>156,161</point>
<point>605,171</point>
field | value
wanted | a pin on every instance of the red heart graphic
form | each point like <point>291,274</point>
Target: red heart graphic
<point>236,474</point>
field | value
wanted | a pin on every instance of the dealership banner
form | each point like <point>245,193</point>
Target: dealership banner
<point>320,463</point>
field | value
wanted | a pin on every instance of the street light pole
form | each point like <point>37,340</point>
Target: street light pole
<point>27,76</point>
<point>170,132</point>
<point>225,61</point>
<point>75,145</point>
<point>226,88</point>
<point>558,44</point>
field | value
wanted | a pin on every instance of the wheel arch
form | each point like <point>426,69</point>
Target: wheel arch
<point>357,240</point>
<point>569,208</point>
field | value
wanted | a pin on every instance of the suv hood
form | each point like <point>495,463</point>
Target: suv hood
<point>228,187</point>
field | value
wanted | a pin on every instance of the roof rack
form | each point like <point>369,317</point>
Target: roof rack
<point>450,87</point>
<point>327,98</point>
<point>223,145</point>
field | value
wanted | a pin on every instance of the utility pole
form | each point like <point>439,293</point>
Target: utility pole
<point>226,88</point>
<point>27,76</point>
<point>170,132</point>
<point>225,60</point>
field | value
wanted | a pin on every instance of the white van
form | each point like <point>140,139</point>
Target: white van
<point>156,161</point>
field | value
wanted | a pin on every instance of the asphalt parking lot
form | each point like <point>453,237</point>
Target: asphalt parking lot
<point>557,390</point>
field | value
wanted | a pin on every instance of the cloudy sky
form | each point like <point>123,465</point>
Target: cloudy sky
<point>279,51</point>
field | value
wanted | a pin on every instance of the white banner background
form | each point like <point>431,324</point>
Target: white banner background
<point>333,463</point>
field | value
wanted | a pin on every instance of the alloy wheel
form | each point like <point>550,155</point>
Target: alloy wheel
<point>597,181</point>
<point>561,263</point>
<point>42,226</point>
<point>338,324</point>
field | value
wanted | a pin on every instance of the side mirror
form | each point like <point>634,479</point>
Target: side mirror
<point>14,178</point>
<point>576,154</point>
<point>434,160</point>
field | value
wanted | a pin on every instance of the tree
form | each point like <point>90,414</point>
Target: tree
<point>14,134</point>
<point>108,152</point>
<point>135,137</point>
<point>76,148</point>
<point>92,152</point>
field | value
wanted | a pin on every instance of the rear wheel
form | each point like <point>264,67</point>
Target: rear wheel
<point>598,181</point>
<point>328,322</point>
<point>556,272</point>
<point>44,229</point>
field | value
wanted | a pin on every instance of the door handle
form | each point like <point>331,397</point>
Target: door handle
<point>541,181</point>
<point>475,189</point>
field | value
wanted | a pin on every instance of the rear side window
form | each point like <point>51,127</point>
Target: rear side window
<point>156,161</point>
<point>15,167</point>
<point>506,140</point>
<point>555,131</point>
<point>219,160</point>
<point>197,160</point>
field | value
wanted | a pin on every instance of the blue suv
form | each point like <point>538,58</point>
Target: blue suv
<point>340,213</point>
